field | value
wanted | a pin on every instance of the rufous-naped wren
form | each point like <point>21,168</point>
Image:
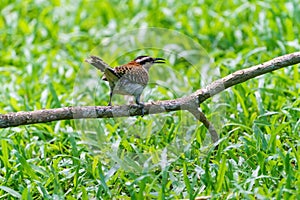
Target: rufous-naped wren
<point>127,79</point>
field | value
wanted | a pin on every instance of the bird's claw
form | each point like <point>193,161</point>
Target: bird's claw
<point>143,108</point>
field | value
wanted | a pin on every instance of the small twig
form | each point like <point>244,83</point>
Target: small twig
<point>202,118</point>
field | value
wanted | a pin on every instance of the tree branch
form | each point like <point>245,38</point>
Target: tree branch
<point>190,103</point>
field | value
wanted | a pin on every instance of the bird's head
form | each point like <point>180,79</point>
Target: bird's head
<point>147,61</point>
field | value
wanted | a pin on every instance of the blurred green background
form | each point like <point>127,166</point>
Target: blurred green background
<point>43,45</point>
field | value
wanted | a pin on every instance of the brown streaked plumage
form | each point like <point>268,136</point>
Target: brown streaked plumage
<point>128,79</point>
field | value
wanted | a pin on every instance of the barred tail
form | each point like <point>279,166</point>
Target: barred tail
<point>97,62</point>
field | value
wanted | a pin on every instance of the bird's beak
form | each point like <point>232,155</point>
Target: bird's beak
<point>159,60</point>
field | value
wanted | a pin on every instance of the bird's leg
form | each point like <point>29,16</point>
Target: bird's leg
<point>137,101</point>
<point>110,97</point>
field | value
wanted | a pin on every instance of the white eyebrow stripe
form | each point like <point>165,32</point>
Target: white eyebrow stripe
<point>142,59</point>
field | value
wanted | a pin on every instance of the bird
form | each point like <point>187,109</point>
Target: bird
<point>128,79</point>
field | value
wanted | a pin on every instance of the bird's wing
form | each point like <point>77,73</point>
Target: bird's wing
<point>97,62</point>
<point>110,75</point>
<point>133,73</point>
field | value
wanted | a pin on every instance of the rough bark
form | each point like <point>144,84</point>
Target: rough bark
<point>190,103</point>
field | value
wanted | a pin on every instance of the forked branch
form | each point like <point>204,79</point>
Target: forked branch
<point>190,103</point>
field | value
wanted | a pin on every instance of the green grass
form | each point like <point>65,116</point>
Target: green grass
<point>43,46</point>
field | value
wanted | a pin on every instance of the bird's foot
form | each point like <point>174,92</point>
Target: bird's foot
<point>142,107</point>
